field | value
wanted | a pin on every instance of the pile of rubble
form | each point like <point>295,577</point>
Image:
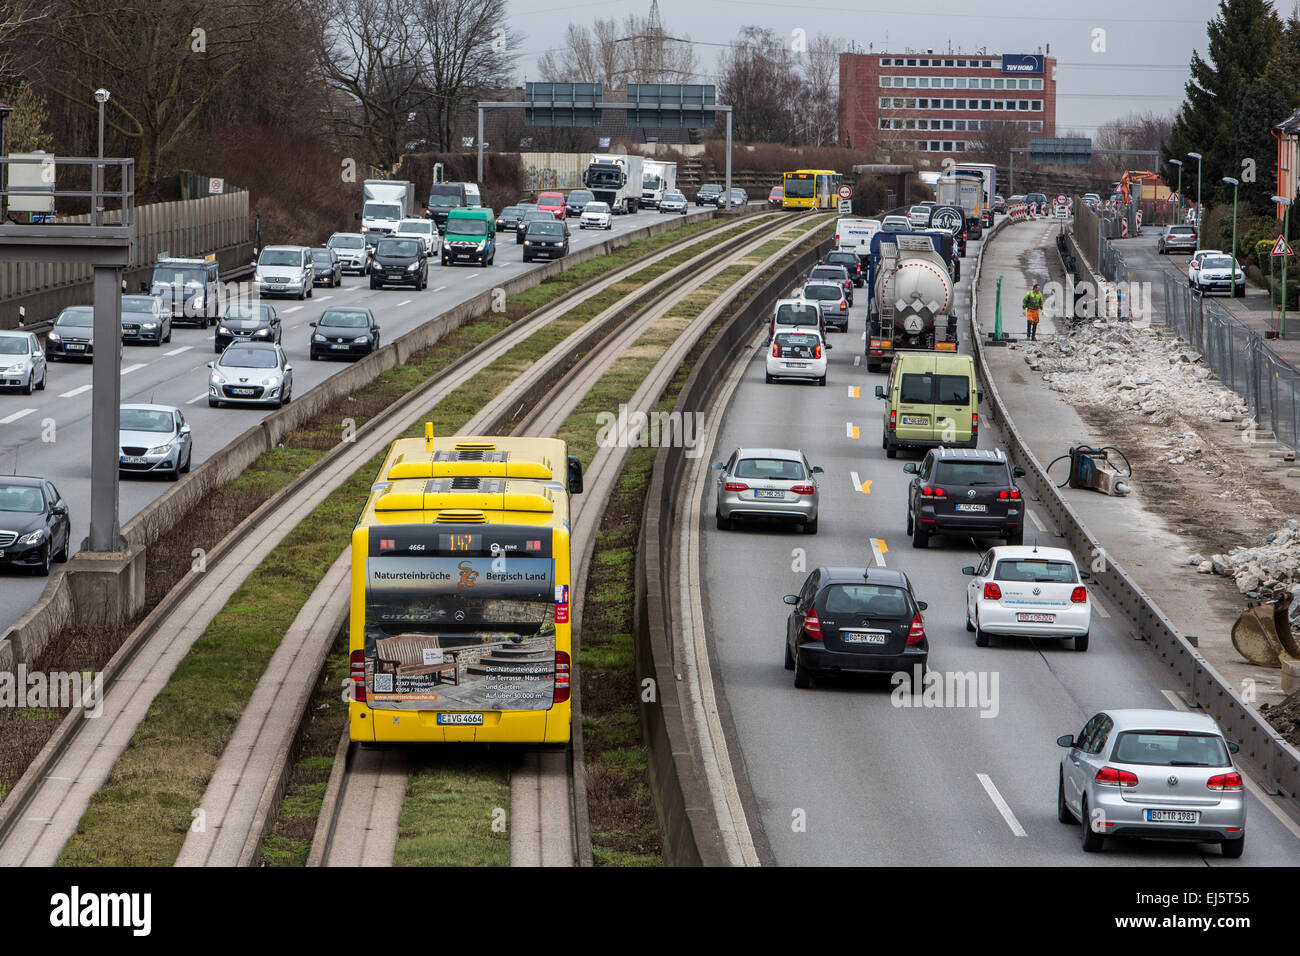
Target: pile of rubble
<point>1267,571</point>
<point>1146,371</point>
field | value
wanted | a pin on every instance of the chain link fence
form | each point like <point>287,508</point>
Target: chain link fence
<point>1240,358</point>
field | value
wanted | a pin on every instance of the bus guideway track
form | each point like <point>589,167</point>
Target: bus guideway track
<point>44,808</point>
<point>543,791</point>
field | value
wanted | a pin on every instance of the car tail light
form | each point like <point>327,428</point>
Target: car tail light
<point>1079,594</point>
<point>992,592</point>
<point>916,633</point>
<point>358,668</point>
<point>893,418</point>
<point>1225,781</point>
<point>844,303</point>
<point>736,486</point>
<point>928,491</point>
<point>1113,777</point>
<point>817,351</point>
<point>776,350</point>
<point>812,625</point>
<point>561,678</point>
<point>974,423</point>
<point>804,489</point>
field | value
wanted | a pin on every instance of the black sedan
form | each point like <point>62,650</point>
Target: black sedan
<point>531,214</point>
<point>508,218</point>
<point>73,334</point>
<point>399,262</point>
<point>250,323</point>
<point>326,267</point>
<point>708,195</point>
<point>548,240</point>
<point>855,621</point>
<point>34,524</point>
<point>344,332</point>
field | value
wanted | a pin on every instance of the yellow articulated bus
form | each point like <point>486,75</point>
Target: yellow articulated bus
<point>811,189</point>
<point>460,590</point>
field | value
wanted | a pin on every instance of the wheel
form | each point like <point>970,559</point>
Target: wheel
<point>444,260</point>
<point>175,473</point>
<point>1232,849</point>
<point>802,676</point>
<point>43,570</point>
<point>981,635</point>
<point>373,284</point>
<point>45,374</point>
<point>822,380</point>
<point>62,556</point>
<point>609,226</point>
<point>810,527</point>
<point>189,460</point>
<point>527,257</point>
<point>1017,536</point>
<point>920,537</point>
<point>769,378</point>
<point>891,450</point>
<point>312,356</point>
<point>302,295</point>
<point>789,658</point>
<point>213,403</point>
<point>909,520</point>
<point>1081,642</point>
<point>31,383</point>
<point>969,626</point>
<point>168,337</point>
<point>310,290</point>
<point>216,347</point>
<point>1062,811</point>
<point>288,395</point>
<point>724,524</point>
<point>1091,841</point>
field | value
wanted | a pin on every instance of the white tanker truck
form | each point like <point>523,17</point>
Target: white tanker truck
<point>910,297</point>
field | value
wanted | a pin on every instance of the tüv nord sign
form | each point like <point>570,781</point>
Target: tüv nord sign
<point>1022,63</point>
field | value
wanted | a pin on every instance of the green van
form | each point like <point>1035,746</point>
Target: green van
<point>471,234</point>
<point>931,400</point>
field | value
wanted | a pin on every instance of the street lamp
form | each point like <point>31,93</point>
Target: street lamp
<point>1286,241</point>
<point>1179,192</point>
<point>101,97</point>
<point>1200,211</point>
<point>1234,184</point>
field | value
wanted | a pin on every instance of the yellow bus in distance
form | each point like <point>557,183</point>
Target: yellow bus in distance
<point>811,189</point>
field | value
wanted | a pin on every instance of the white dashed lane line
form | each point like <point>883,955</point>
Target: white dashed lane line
<point>1003,808</point>
<point>76,391</point>
<point>21,413</point>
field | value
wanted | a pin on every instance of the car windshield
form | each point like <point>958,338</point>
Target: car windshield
<point>346,242</point>
<point>511,212</point>
<point>240,313</point>
<point>705,190</point>
<point>280,257</point>
<point>1182,231</point>
<point>468,227</point>
<point>145,420</point>
<point>596,207</point>
<point>1217,262</point>
<point>249,358</point>
<point>581,196</point>
<point>421,227</point>
<point>22,498</point>
<point>138,303</point>
<point>797,340</point>
<point>13,345</point>
<point>822,292</point>
<point>321,256</point>
<point>398,248</point>
<point>1170,748</point>
<point>971,473</point>
<point>847,259</point>
<point>537,215</point>
<point>381,210</point>
<point>673,195</point>
<point>77,318</point>
<point>826,272</point>
<point>550,199</point>
<point>799,188</point>
<point>345,320</point>
<point>797,315</point>
<point>168,275</point>
<point>1041,570</point>
<point>545,229</point>
<point>437,201</point>
<point>873,600</point>
<point>780,469</point>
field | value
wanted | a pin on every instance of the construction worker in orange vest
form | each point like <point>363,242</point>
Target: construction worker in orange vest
<point>1032,303</point>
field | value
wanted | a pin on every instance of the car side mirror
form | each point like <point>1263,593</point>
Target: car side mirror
<point>211,364</point>
<point>1233,747</point>
<point>288,368</point>
<point>185,429</point>
<point>1085,575</point>
<point>144,287</point>
<point>969,569</point>
<point>880,391</point>
<point>575,475</point>
<point>356,216</point>
<point>717,464</point>
<point>791,599</point>
<point>829,346</point>
<point>62,509</point>
<point>1018,471</point>
<point>910,468</point>
<point>922,605</point>
<point>1066,740</point>
<point>818,470</point>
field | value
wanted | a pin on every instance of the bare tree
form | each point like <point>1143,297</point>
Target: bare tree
<point>588,56</point>
<point>1147,131</point>
<point>757,76</point>
<point>822,80</point>
<point>16,19</point>
<point>996,140</point>
<point>467,52</point>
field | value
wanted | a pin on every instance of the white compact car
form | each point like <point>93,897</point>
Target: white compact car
<point>798,353</point>
<point>1028,592</point>
<point>22,361</point>
<point>426,230</point>
<point>1215,272</point>
<point>596,215</point>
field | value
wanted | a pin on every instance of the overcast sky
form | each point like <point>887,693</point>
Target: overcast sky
<point>1147,43</point>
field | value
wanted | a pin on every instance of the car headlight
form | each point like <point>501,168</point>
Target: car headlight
<point>54,337</point>
<point>161,449</point>
<point>149,325</point>
<point>362,339</point>
<point>413,266</point>
<point>318,337</point>
<point>528,242</point>
<point>34,538</point>
<point>271,382</point>
<point>216,379</point>
<point>262,332</point>
<point>222,330</point>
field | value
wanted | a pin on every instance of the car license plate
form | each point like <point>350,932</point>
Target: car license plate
<point>766,493</point>
<point>1173,816</point>
<point>1036,618</point>
<point>132,460</point>
<point>966,507</point>
<point>916,419</point>
<point>855,637</point>
<point>473,720</point>
<point>241,391</point>
<point>340,346</point>
<point>795,365</point>
<point>75,348</point>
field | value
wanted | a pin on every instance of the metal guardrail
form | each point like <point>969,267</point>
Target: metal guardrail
<point>1261,746</point>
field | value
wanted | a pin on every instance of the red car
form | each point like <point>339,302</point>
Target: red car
<point>777,196</point>
<point>553,203</point>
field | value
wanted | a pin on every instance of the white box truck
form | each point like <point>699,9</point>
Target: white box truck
<point>989,173</point>
<point>659,179</point>
<point>616,180</point>
<point>855,235</point>
<point>385,203</point>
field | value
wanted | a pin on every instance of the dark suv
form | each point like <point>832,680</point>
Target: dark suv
<point>708,195</point>
<point>855,621</point>
<point>399,261</point>
<point>966,492</point>
<point>848,260</point>
<point>1181,238</point>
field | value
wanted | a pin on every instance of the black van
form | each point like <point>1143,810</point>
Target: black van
<point>444,197</point>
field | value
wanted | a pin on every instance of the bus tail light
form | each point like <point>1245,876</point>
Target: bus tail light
<point>812,625</point>
<point>358,670</point>
<point>561,678</point>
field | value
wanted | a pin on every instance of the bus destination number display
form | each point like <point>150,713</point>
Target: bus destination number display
<point>460,542</point>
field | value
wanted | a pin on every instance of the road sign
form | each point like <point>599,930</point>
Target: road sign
<point>1060,200</point>
<point>948,218</point>
<point>846,208</point>
<point>216,185</point>
<point>1280,248</point>
<point>845,191</point>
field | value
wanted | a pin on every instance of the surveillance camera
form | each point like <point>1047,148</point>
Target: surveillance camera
<point>101,95</point>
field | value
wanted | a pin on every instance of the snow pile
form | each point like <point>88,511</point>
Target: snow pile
<point>1268,571</point>
<point>1142,370</point>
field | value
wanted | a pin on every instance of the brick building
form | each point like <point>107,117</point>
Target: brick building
<point>939,104</point>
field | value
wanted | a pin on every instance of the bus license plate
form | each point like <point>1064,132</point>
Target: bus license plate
<point>474,720</point>
<point>916,420</point>
<point>1173,816</point>
<point>965,507</point>
<point>1036,618</point>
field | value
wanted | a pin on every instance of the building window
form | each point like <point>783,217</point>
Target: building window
<point>911,82</point>
<point>934,146</point>
<point>960,147</point>
<point>986,82</point>
<point>961,63</point>
<point>911,63</point>
<point>988,64</point>
<point>1024,84</point>
<point>1038,106</point>
<point>947,62</point>
<point>924,81</point>
<point>997,83</point>
<point>986,104</point>
<point>909,124</point>
<point>948,82</point>
<point>1036,84</point>
<point>999,105</point>
<point>947,124</point>
<point>884,124</point>
<point>886,61</point>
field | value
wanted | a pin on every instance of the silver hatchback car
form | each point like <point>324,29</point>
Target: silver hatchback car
<point>1160,774</point>
<point>773,483</point>
<point>833,299</point>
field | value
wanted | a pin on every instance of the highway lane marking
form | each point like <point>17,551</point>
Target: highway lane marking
<point>76,391</point>
<point>293,309</point>
<point>183,348</point>
<point>1256,791</point>
<point>440,288</point>
<point>322,298</point>
<point>403,302</point>
<point>1034,518</point>
<point>879,548</point>
<point>1101,608</point>
<point>851,429</point>
<point>197,398</point>
<point>854,389</point>
<point>857,360</point>
<point>1001,804</point>
<point>859,484</point>
<point>133,368</point>
<point>16,415</point>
